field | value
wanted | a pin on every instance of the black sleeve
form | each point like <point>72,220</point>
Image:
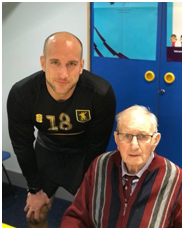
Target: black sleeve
<point>21,131</point>
<point>99,132</point>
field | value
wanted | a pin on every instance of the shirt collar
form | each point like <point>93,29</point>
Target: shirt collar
<point>139,174</point>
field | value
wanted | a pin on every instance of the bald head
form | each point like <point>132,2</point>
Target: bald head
<point>61,36</point>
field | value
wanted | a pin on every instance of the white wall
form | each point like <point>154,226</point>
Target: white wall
<point>24,29</point>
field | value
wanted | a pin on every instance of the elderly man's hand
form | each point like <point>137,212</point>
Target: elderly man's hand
<point>34,204</point>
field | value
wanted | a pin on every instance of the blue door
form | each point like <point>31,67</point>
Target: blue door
<point>170,101</point>
<point>141,81</point>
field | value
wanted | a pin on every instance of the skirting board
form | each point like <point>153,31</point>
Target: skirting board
<point>18,179</point>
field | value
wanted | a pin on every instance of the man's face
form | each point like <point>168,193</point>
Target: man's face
<point>136,154</point>
<point>62,65</point>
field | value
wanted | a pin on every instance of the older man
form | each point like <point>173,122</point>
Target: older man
<point>133,186</point>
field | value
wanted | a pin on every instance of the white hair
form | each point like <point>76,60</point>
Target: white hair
<point>142,109</point>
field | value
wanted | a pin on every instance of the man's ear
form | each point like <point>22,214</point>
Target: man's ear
<point>115,137</point>
<point>157,138</point>
<point>82,65</point>
<point>42,62</point>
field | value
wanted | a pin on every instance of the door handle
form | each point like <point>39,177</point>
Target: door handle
<point>149,76</point>
<point>169,78</point>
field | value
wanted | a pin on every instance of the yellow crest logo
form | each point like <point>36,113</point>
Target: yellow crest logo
<point>83,115</point>
<point>39,118</point>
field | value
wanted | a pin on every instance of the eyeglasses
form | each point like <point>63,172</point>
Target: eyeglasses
<point>142,138</point>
